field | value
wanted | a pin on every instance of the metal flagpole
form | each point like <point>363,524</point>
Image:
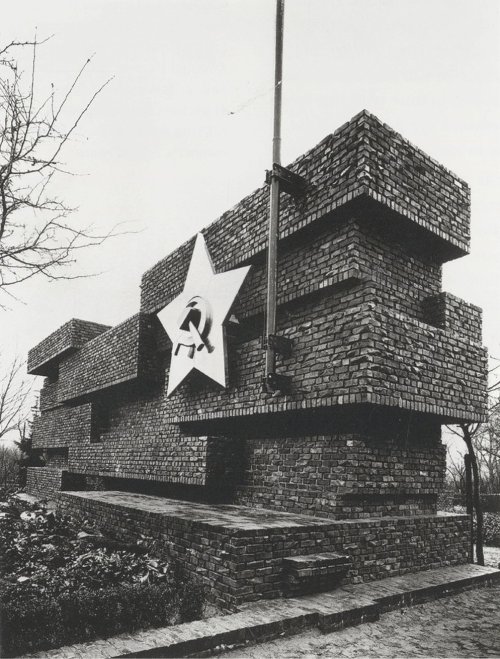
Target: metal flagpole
<point>272,251</point>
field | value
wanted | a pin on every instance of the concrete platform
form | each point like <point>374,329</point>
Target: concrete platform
<point>350,605</point>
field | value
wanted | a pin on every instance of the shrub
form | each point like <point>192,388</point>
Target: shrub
<point>60,588</point>
<point>33,621</point>
<point>491,529</point>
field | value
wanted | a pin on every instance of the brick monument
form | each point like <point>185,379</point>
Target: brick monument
<point>335,478</point>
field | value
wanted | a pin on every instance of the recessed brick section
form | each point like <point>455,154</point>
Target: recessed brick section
<point>345,475</point>
<point>454,315</point>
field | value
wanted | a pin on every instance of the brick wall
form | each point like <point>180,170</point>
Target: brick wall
<point>44,482</point>
<point>62,427</point>
<point>343,476</point>
<point>242,566</point>
<point>363,157</point>
<point>454,315</point>
<point>349,349</point>
<point>119,355</point>
<point>56,457</point>
<point>48,394</point>
<point>71,336</point>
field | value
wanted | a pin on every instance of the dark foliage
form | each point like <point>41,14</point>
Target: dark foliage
<point>491,529</point>
<point>33,621</point>
<point>59,588</point>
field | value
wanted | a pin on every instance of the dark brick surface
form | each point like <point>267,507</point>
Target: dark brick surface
<point>121,354</point>
<point>62,426</point>
<point>349,349</point>
<point>343,476</point>
<point>71,336</point>
<point>363,157</point>
<point>454,315</point>
<point>380,358</point>
<point>44,482</point>
<point>241,559</point>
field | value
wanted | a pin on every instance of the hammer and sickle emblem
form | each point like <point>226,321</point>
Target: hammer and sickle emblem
<point>194,327</point>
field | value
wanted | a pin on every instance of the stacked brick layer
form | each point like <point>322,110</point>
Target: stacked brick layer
<point>63,426</point>
<point>348,349</point>
<point>241,562</point>
<point>360,298</point>
<point>117,356</point>
<point>343,476</point>
<point>71,336</point>
<point>44,482</point>
<point>363,157</point>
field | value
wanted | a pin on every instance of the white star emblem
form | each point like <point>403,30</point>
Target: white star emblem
<point>194,320</point>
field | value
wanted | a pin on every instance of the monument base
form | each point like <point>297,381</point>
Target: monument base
<point>242,554</point>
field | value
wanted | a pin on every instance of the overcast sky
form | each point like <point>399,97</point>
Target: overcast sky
<point>183,131</point>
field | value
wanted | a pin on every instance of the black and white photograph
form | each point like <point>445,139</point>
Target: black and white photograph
<point>249,329</point>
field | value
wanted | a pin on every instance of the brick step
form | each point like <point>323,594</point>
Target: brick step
<point>314,573</point>
<point>267,620</point>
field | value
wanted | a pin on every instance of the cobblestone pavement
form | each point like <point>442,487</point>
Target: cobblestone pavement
<point>464,625</point>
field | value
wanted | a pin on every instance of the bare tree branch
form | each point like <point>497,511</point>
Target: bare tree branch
<point>15,394</point>
<point>36,236</point>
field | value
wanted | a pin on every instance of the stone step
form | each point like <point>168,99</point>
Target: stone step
<point>314,573</point>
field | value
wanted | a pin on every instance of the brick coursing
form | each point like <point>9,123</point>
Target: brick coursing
<point>44,482</point>
<point>48,395</point>
<point>240,566</point>
<point>56,457</point>
<point>348,349</point>
<point>454,315</point>
<point>352,248</point>
<point>71,336</point>
<point>343,476</point>
<point>363,157</point>
<point>62,426</point>
<point>119,355</point>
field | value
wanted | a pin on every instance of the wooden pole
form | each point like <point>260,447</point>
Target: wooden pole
<point>272,249</point>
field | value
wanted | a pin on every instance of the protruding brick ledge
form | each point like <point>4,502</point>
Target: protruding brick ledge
<point>67,339</point>
<point>257,623</point>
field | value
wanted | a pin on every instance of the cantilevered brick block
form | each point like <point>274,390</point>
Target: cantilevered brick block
<point>313,573</point>
<point>67,339</point>
<point>122,354</point>
<point>364,164</point>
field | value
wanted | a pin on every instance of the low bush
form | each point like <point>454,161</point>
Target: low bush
<point>491,529</point>
<point>34,621</point>
<point>59,588</point>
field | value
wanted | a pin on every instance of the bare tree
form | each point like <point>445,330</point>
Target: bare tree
<point>36,237</point>
<point>9,465</point>
<point>15,394</point>
<point>482,454</point>
<point>456,470</point>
